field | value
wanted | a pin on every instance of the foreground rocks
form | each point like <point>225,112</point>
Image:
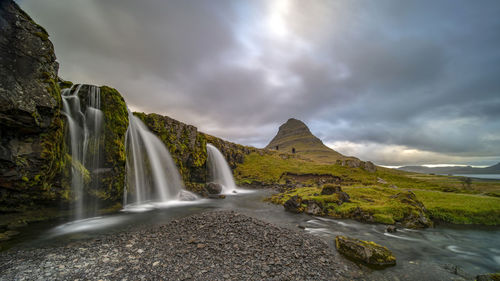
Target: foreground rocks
<point>367,252</point>
<point>212,246</point>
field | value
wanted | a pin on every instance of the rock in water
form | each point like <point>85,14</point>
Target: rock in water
<point>314,208</point>
<point>294,204</point>
<point>366,252</point>
<point>214,188</point>
<point>391,229</point>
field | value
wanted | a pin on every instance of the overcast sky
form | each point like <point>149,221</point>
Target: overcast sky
<point>393,82</point>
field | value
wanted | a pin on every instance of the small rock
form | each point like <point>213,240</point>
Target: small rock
<point>391,229</point>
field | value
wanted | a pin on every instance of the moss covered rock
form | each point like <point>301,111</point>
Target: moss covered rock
<point>366,252</point>
<point>112,175</point>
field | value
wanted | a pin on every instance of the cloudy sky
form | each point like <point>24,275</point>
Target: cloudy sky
<point>394,82</point>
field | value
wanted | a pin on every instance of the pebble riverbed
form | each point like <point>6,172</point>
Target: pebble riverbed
<point>219,245</point>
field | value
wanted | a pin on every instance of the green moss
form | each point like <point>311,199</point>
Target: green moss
<point>461,208</point>
<point>43,36</point>
<point>384,218</point>
<point>116,124</point>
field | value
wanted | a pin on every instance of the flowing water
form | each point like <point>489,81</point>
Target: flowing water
<point>219,171</point>
<point>85,139</point>
<point>420,254</point>
<point>152,178</point>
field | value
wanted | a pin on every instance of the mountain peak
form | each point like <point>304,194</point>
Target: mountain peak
<point>295,137</point>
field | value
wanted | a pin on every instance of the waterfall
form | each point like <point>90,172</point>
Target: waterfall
<point>151,174</point>
<point>85,142</point>
<point>219,171</point>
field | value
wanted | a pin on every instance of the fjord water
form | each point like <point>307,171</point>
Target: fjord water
<point>419,253</point>
<point>151,175</point>
<point>85,139</point>
<point>219,171</point>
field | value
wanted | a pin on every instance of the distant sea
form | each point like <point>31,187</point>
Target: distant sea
<point>480,176</point>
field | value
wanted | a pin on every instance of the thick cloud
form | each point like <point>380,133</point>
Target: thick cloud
<point>388,81</point>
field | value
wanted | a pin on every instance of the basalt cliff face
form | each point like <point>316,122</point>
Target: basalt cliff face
<point>31,126</point>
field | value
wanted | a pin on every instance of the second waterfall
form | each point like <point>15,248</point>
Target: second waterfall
<point>151,172</point>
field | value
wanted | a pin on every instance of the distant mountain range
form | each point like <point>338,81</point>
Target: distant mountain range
<point>495,169</point>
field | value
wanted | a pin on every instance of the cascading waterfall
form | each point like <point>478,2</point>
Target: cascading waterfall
<point>85,142</point>
<point>151,172</point>
<point>219,171</point>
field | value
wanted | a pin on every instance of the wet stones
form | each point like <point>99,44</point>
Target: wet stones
<point>213,188</point>
<point>294,204</point>
<point>366,252</point>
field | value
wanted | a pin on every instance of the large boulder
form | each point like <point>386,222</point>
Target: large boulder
<point>294,204</point>
<point>314,208</point>
<point>213,188</point>
<point>366,252</point>
<point>417,218</point>
<point>32,153</point>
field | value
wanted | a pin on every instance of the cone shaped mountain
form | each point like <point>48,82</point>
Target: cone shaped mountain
<point>295,137</point>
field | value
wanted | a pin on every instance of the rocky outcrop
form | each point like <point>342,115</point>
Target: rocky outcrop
<point>356,163</point>
<point>213,188</point>
<point>366,252</point>
<point>31,128</point>
<point>417,217</point>
<point>294,204</point>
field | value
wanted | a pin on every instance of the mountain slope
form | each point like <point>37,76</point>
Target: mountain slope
<point>295,137</point>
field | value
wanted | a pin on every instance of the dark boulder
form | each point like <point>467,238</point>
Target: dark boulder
<point>391,229</point>
<point>329,189</point>
<point>313,208</point>
<point>366,252</point>
<point>294,204</point>
<point>213,188</point>
<point>343,197</point>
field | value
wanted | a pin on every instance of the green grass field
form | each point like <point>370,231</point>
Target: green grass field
<point>446,198</point>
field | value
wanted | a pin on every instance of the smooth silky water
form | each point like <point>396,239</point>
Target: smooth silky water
<point>419,253</point>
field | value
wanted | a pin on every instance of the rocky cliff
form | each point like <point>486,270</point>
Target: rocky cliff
<point>31,126</point>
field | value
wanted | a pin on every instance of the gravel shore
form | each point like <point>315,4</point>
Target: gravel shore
<point>221,245</point>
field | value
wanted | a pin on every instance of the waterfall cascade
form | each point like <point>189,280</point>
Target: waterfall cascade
<point>151,172</point>
<point>219,171</point>
<point>85,142</point>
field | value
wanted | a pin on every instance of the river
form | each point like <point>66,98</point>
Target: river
<point>419,253</point>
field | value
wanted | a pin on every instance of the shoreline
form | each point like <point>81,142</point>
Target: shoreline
<point>216,245</point>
